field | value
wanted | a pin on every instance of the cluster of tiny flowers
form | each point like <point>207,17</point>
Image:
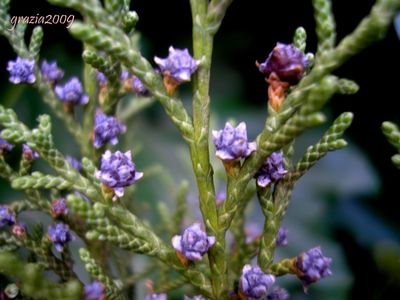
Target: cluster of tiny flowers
<point>312,266</point>
<point>285,61</point>
<point>118,171</point>
<point>29,154</point>
<point>106,129</point>
<point>231,143</point>
<point>193,243</point>
<point>59,235</point>
<point>5,146</point>
<point>72,92</point>
<point>22,70</point>
<point>94,291</point>
<point>256,285</point>
<point>19,230</point>
<point>179,65</point>
<point>271,171</point>
<point>59,208</point>
<point>6,217</point>
<point>101,79</point>
<point>74,163</point>
<point>156,296</point>
<point>51,72</point>
<point>131,83</point>
<point>281,237</point>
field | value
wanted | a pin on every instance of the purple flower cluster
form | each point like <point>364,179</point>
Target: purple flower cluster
<point>193,243</point>
<point>278,294</point>
<point>106,129</point>
<point>312,266</point>
<point>254,284</point>
<point>94,291</point>
<point>22,70</point>
<point>6,217</point>
<point>231,143</point>
<point>137,86</point>
<point>118,171</point>
<point>51,72</point>
<point>179,65</point>
<point>287,62</point>
<point>59,208</point>
<point>29,154</point>
<point>59,235</point>
<point>19,230</point>
<point>72,92</point>
<point>271,171</point>
<point>5,146</point>
<point>101,78</point>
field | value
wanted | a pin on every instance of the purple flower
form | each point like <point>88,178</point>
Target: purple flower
<point>254,284</point>
<point>118,171</point>
<point>94,291</point>
<point>21,70</point>
<point>59,235</point>
<point>287,62</point>
<point>231,143</point>
<point>51,72</point>
<point>29,154</point>
<point>271,171</point>
<point>5,146</point>
<point>6,217</point>
<point>59,208</point>
<point>281,237</point>
<point>278,294</point>
<point>179,65</point>
<point>72,92</point>
<point>101,78</point>
<point>106,129</point>
<point>312,266</point>
<point>137,86</point>
<point>74,163</point>
<point>156,297</point>
<point>193,243</point>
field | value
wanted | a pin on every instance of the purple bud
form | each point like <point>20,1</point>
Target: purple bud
<point>254,284</point>
<point>106,129</point>
<point>156,297</point>
<point>74,163</point>
<point>281,237</point>
<point>94,291</point>
<point>193,243</point>
<point>6,217</point>
<point>137,86</point>
<point>124,75</point>
<point>287,62</point>
<point>72,92</point>
<point>21,70</point>
<point>101,78</point>
<point>312,266</point>
<point>59,235</point>
<point>59,208</point>
<point>220,197</point>
<point>179,64</point>
<point>271,171</point>
<point>29,154</point>
<point>5,146</point>
<point>278,294</point>
<point>231,143</point>
<point>51,72</point>
<point>118,171</point>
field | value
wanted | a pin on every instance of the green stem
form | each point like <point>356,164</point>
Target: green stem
<point>199,148</point>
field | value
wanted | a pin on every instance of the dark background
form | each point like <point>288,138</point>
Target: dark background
<point>249,31</point>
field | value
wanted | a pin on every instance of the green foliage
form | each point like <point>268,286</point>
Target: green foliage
<point>109,36</point>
